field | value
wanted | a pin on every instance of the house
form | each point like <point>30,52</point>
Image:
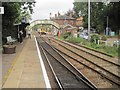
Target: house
<point>79,21</point>
<point>69,28</point>
<point>63,20</point>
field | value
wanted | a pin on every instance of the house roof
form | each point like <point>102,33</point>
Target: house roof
<point>68,26</point>
<point>80,18</point>
<point>63,17</point>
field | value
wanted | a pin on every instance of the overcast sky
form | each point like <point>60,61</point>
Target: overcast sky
<point>43,8</point>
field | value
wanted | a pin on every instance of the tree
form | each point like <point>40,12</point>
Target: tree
<point>97,17</point>
<point>113,13</point>
<point>26,11</point>
<point>13,13</point>
<point>99,13</point>
<point>81,9</point>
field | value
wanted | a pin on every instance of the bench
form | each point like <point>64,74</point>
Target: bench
<point>10,40</point>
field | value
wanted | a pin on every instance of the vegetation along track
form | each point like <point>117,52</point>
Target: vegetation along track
<point>66,74</point>
<point>97,66</point>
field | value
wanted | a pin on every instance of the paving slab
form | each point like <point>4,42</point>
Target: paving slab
<point>0,70</point>
<point>26,72</point>
<point>8,60</point>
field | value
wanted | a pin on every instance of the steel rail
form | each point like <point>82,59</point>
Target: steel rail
<point>93,63</point>
<point>88,52</point>
<point>118,77</point>
<point>83,77</point>
<point>109,79</point>
<point>56,78</point>
<point>84,80</point>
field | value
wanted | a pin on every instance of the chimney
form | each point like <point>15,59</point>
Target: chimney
<point>55,15</point>
<point>50,15</point>
<point>58,13</point>
<point>70,15</point>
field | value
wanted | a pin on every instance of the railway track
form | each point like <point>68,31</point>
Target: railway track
<point>105,63</point>
<point>98,54</point>
<point>65,73</point>
<point>50,74</point>
<point>97,67</point>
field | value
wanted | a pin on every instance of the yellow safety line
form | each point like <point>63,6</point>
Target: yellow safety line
<point>11,67</point>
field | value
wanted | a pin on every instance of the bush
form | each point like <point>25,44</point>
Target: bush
<point>66,35</point>
<point>104,38</point>
<point>103,48</point>
<point>95,38</point>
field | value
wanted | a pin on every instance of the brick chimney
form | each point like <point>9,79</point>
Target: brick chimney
<point>58,13</point>
<point>71,14</point>
<point>50,15</point>
<point>55,15</point>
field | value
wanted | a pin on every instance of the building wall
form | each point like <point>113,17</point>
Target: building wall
<point>63,31</point>
<point>62,22</point>
<point>79,23</point>
<point>72,30</point>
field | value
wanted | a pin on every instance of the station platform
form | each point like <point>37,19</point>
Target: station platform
<point>28,70</point>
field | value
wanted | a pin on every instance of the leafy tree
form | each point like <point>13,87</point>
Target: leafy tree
<point>81,9</point>
<point>26,11</point>
<point>113,13</point>
<point>97,17</point>
<point>99,13</point>
<point>13,14</point>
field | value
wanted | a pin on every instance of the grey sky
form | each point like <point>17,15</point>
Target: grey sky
<point>43,8</point>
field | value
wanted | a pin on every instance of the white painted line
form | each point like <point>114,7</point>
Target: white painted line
<point>43,67</point>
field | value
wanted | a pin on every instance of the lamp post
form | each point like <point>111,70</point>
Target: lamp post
<point>88,19</point>
<point>65,22</point>
<point>107,21</point>
<point>107,29</point>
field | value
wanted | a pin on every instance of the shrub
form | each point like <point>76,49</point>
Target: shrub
<point>113,51</point>
<point>95,38</point>
<point>104,38</point>
<point>66,35</point>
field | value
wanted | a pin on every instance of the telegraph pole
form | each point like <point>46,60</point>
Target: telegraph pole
<point>107,21</point>
<point>89,20</point>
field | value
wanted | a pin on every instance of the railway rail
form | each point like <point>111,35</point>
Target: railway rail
<point>106,73</point>
<point>65,73</point>
<point>50,74</point>
<point>101,62</point>
<point>93,52</point>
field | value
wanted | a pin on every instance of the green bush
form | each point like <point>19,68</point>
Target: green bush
<point>104,38</point>
<point>95,38</point>
<point>93,45</point>
<point>66,35</point>
<point>103,48</point>
<point>110,50</point>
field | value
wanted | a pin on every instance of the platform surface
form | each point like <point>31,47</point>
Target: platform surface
<point>27,71</point>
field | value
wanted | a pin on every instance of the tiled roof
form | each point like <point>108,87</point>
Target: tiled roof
<point>64,17</point>
<point>68,26</point>
<point>80,18</point>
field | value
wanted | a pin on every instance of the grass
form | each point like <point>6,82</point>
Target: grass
<point>60,37</point>
<point>113,51</point>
